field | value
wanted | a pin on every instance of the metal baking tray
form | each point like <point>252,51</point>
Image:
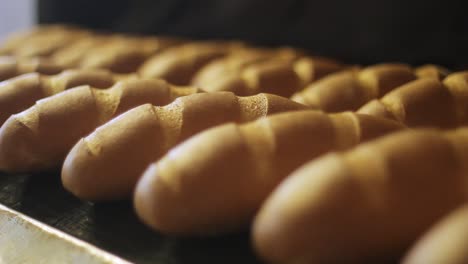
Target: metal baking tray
<point>42,223</point>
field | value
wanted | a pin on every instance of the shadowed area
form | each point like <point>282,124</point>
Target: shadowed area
<point>114,226</point>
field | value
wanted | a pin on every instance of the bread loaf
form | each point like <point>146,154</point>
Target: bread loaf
<point>11,67</point>
<point>42,41</point>
<point>114,52</point>
<point>179,64</point>
<point>71,47</point>
<point>350,89</point>
<point>446,242</point>
<point>106,164</point>
<point>366,204</point>
<point>70,56</point>
<point>271,71</point>
<point>425,102</point>
<point>217,180</point>
<point>40,137</point>
<point>432,71</point>
<point>21,92</point>
<point>223,74</point>
<point>124,54</point>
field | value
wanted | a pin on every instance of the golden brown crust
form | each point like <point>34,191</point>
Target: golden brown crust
<point>249,72</point>
<point>457,84</point>
<point>11,67</point>
<point>89,169</point>
<point>365,204</point>
<point>310,69</point>
<point>57,122</point>
<point>272,76</point>
<point>334,93</point>
<point>239,166</point>
<point>149,134</point>
<point>76,48</point>
<point>223,74</point>
<point>19,93</point>
<point>348,90</point>
<point>378,109</point>
<point>425,102</point>
<point>432,71</point>
<point>42,41</point>
<point>179,64</point>
<point>123,54</point>
<point>446,242</point>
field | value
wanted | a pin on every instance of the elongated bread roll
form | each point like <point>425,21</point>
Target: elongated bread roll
<point>366,204</point>
<point>446,242</point>
<point>43,40</point>
<point>425,102</point>
<point>40,137</point>
<point>217,180</point>
<point>224,74</point>
<point>21,92</point>
<point>124,54</point>
<point>11,67</point>
<point>350,89</point>
<point>432,71</point>
<point>279,72</point>
<point>179,64</point>
<point>107,164</point>
<point>72,55</point>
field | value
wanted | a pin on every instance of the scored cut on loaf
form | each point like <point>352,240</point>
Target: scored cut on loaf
<point>366,204</point>
<point>106,164</point>
<point>425,102</point>
<point>39,138</point>
<point>446,242</point>
<point>216,181</point>
<point>21,92</point>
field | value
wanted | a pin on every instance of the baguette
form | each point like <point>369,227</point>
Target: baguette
<point>446,242</point>
<point>366,204</point>
<point>217,180</point>
<point>425,102</point>
<point>124,54</point>
<point>14,40</point>
<point>279,72</point>
<point>107,164</point>
<point>222,74</point>
<point>71,55</point>
<point>21,92</point>
<point>348,90</point>
<point>11,67</point>
<point>179,64</point>
<point>42,41</point>
<point>432,71</point>
<point>39,138</point>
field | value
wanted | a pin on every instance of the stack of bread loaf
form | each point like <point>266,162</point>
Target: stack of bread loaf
<point>326,162</point>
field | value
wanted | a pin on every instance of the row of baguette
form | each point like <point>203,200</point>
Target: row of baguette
<point>214,65</point>
<point>364,202</point>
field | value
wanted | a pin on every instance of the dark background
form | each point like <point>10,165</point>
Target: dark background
<point>360,31</point>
